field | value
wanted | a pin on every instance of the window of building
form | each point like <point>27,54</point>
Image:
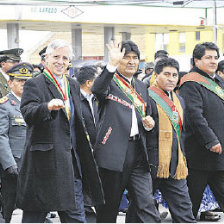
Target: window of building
<point>182,40</point>
<point>162,41</point>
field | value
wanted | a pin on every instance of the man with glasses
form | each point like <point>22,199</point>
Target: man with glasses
<point>203,92</point>
<point>8,59</point>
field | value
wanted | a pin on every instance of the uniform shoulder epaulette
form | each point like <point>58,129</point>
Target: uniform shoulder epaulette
<point>4,99</point>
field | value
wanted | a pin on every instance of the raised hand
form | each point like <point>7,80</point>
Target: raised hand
<point>115,53</point>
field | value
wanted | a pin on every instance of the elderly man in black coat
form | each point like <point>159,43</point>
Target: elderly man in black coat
<point>203,92</point>
<point>120,148</point>
<point>58,163</point>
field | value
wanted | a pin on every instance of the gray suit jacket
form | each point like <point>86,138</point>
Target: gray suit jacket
<point>12,131</point>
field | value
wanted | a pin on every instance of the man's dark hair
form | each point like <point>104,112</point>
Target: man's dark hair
<point>220,66</point>
<point>166,62</point>
<point>161,54</point>
<point>130,46</point>
<point>86,73</point>
<point>199,50</point>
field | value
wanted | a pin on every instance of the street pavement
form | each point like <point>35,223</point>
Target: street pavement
<point>17,217</point>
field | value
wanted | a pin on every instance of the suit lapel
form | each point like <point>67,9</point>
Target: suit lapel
<point>75,97</point>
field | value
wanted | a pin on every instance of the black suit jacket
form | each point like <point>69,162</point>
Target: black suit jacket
<point>204,125</point>
<point>115,120</point>
<point>89,119</point>
<point>46,179</point>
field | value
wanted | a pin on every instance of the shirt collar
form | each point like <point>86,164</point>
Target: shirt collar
<point>126,78</point>
<point>86,95</point>
<point>17,97</point>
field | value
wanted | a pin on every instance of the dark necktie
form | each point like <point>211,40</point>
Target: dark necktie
<point>95,110</point>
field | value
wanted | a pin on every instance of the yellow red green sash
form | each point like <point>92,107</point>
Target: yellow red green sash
<point>65,95</point>
<point>168,107</point>
<point>204,81</point>
<point>50,76</point>
<point>131,93</point>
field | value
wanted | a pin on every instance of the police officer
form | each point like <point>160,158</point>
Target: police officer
<point>8,59</point>
<point>12,135</point>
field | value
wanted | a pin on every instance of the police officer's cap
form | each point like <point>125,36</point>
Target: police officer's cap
<point>22,70</point>
<point>42,53</point>
<point>12,54</point>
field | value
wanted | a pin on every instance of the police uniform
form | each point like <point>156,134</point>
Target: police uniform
<point>12,140</point>
<point>14,55</point>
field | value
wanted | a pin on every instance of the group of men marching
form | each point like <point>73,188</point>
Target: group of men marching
<point>146,138</point>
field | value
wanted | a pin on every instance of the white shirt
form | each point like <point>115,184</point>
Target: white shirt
<point>89,98</point>
<point>61,82</point>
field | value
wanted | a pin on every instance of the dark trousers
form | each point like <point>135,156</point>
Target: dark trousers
<point>137,180</point>
<point>175,193</point>
<point>68,216</point>
<point>197,181</point>
<point>8,191</point>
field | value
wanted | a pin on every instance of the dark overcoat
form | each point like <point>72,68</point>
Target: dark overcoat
<point>204,125</point>
<point>152,140</point>
<point>46,179</point>
<point>114,126</point>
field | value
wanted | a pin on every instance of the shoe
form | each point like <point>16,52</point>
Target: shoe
<point>48,220</point>
<point>123,210</point>
<point>163,215</point>
<point>209,216</point>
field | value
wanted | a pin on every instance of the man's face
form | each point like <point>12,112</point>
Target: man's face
<point>167,79</point>
<point>6,65</point>
<point>129,64</point>
<point>208,63</point>
<point>16,85</point>
<point>58,60</point>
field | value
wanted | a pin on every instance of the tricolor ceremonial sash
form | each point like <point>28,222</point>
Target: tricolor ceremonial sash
<point>65,95</point>
<point>169,108</point>
<point>204,81</point>
<point>170,115</point>
<point>131,93</point>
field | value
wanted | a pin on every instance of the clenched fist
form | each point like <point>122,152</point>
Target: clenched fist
<point>148,122</point>
<point>55,104</point>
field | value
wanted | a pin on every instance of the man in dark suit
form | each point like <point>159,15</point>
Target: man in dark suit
<point>164,143</point>
<point>12,136</point>
<point>203,92</point>
<point>8,58</point>
<point>58,164</point>
<point>120,148</point>
<point>86,77</point>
